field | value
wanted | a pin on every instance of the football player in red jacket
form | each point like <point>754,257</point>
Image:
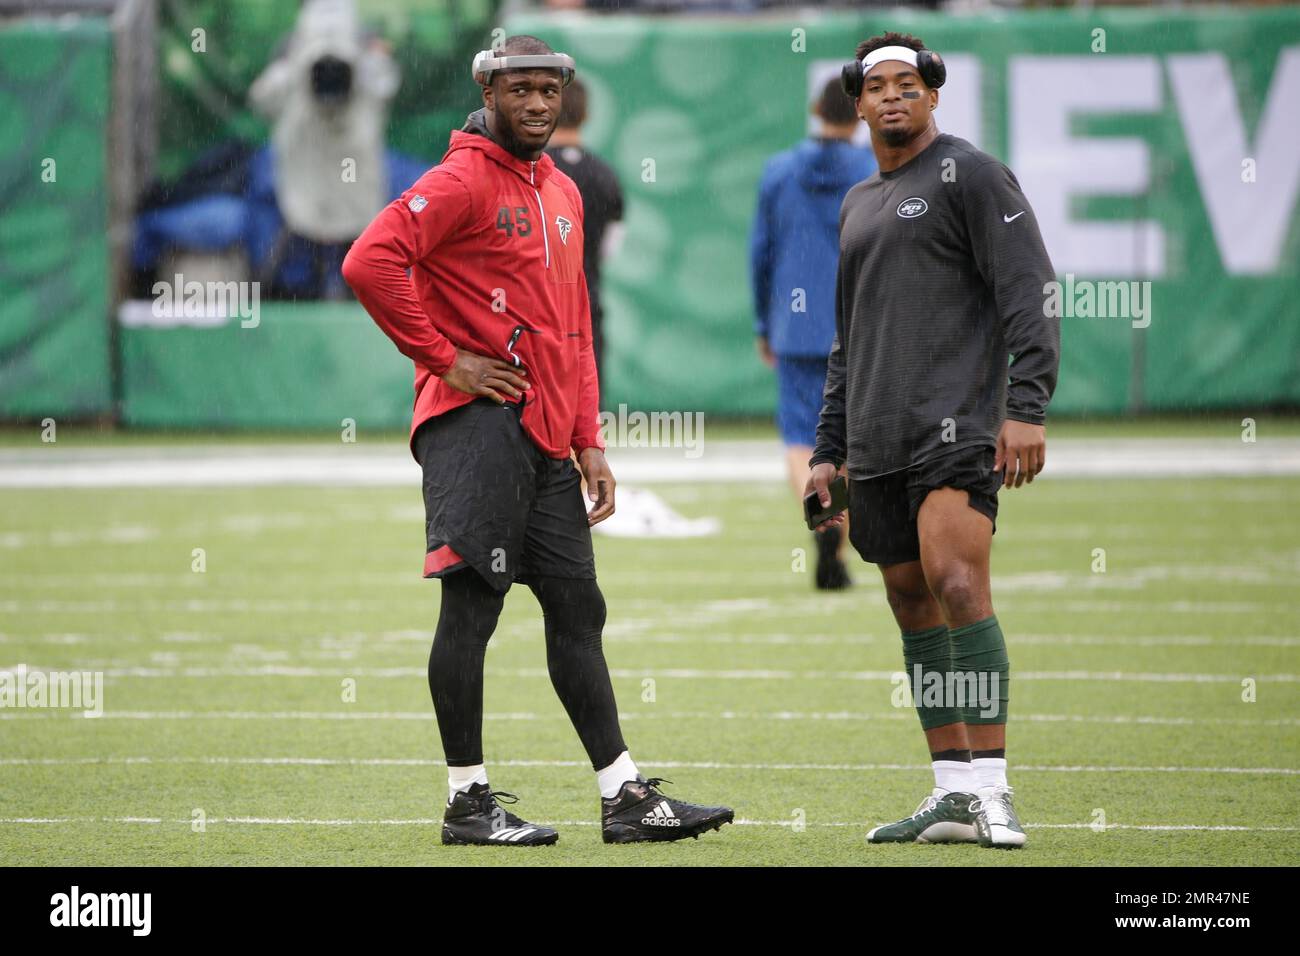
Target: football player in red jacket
<point>495,316</point>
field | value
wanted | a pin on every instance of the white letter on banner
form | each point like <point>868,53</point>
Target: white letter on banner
<point>1053,166</point>
<point>1251,219</point>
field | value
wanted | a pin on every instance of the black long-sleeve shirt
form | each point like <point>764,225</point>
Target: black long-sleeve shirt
<point>942,275</point>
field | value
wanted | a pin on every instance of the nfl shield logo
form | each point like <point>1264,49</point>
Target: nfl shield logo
<point>417,203</point>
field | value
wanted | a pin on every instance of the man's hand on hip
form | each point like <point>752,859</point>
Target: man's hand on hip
<point>1022,452</point>
<point>489,377</point>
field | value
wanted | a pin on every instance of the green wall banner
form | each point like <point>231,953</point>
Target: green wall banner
<point>54,281</point>
<point>1156,146</point>
<point>1159,149</point>
<point>287,366</point>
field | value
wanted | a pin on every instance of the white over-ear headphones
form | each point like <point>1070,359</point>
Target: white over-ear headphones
<point>487,62</point>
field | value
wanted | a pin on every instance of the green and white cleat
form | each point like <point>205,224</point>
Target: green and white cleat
<point>942,817</point>
<point>996,823</point>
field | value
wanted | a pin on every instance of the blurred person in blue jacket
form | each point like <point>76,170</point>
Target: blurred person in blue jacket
<point>794,253</point>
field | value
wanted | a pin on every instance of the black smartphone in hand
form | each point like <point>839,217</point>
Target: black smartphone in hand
<point>812,505</point>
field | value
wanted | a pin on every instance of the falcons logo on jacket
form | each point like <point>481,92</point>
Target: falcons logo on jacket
<point>564,226</point>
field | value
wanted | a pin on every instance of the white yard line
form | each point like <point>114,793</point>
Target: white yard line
<point>529,634</point>
<point>390,464</point>
<point>906,715</point>
<point>680,673</point>
<point>1026,600</point>
<point>680,764</point>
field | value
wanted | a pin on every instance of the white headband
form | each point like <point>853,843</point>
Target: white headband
<point>888,53</point>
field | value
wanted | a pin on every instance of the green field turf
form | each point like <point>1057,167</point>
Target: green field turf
<point>229,682</point>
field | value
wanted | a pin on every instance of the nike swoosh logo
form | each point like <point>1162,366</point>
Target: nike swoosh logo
<point>1006,218</point>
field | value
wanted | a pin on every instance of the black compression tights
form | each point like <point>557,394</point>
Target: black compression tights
<point>575,614</point>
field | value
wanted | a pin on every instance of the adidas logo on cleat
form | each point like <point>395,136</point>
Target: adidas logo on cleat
<point>512,834</point>
<point>661,816</point>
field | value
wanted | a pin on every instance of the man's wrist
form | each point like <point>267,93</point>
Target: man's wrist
<point>1028,418</point>
<point>443,362</point>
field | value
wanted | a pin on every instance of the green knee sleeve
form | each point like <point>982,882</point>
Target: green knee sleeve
<point>928,654</point>
<point>982,673</point>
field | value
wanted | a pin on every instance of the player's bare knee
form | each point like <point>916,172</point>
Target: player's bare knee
<point>962,593</point>
<point>910,600</point>
<point>908,595</point>
<point>909,606</point>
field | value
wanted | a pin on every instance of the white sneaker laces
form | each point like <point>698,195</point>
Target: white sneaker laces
<point>996,807</point>
<point>929,803</point>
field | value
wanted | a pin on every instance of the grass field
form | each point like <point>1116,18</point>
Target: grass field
<point>224,689</point>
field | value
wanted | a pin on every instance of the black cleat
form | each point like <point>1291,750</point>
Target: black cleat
<point>831,574</point>
<point>474,818</point>
<point>641,813</point>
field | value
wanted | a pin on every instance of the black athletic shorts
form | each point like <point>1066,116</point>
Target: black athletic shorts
<point>495,502</point>
<point>882,511</point>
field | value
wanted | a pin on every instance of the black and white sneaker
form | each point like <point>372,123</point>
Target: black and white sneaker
<point>474,818</point>
<point>640,813</point>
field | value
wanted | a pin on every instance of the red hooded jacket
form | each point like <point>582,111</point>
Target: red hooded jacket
<point>494,248</point>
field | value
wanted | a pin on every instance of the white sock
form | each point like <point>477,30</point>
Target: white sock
<point>990,771</point>
<point>611,779</point>
<point>460,779</point>
<point>954,776</point>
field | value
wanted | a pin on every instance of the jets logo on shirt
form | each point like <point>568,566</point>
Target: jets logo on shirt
<point>417,203</point>
<point>911,208</point>
<point>564,226</point>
